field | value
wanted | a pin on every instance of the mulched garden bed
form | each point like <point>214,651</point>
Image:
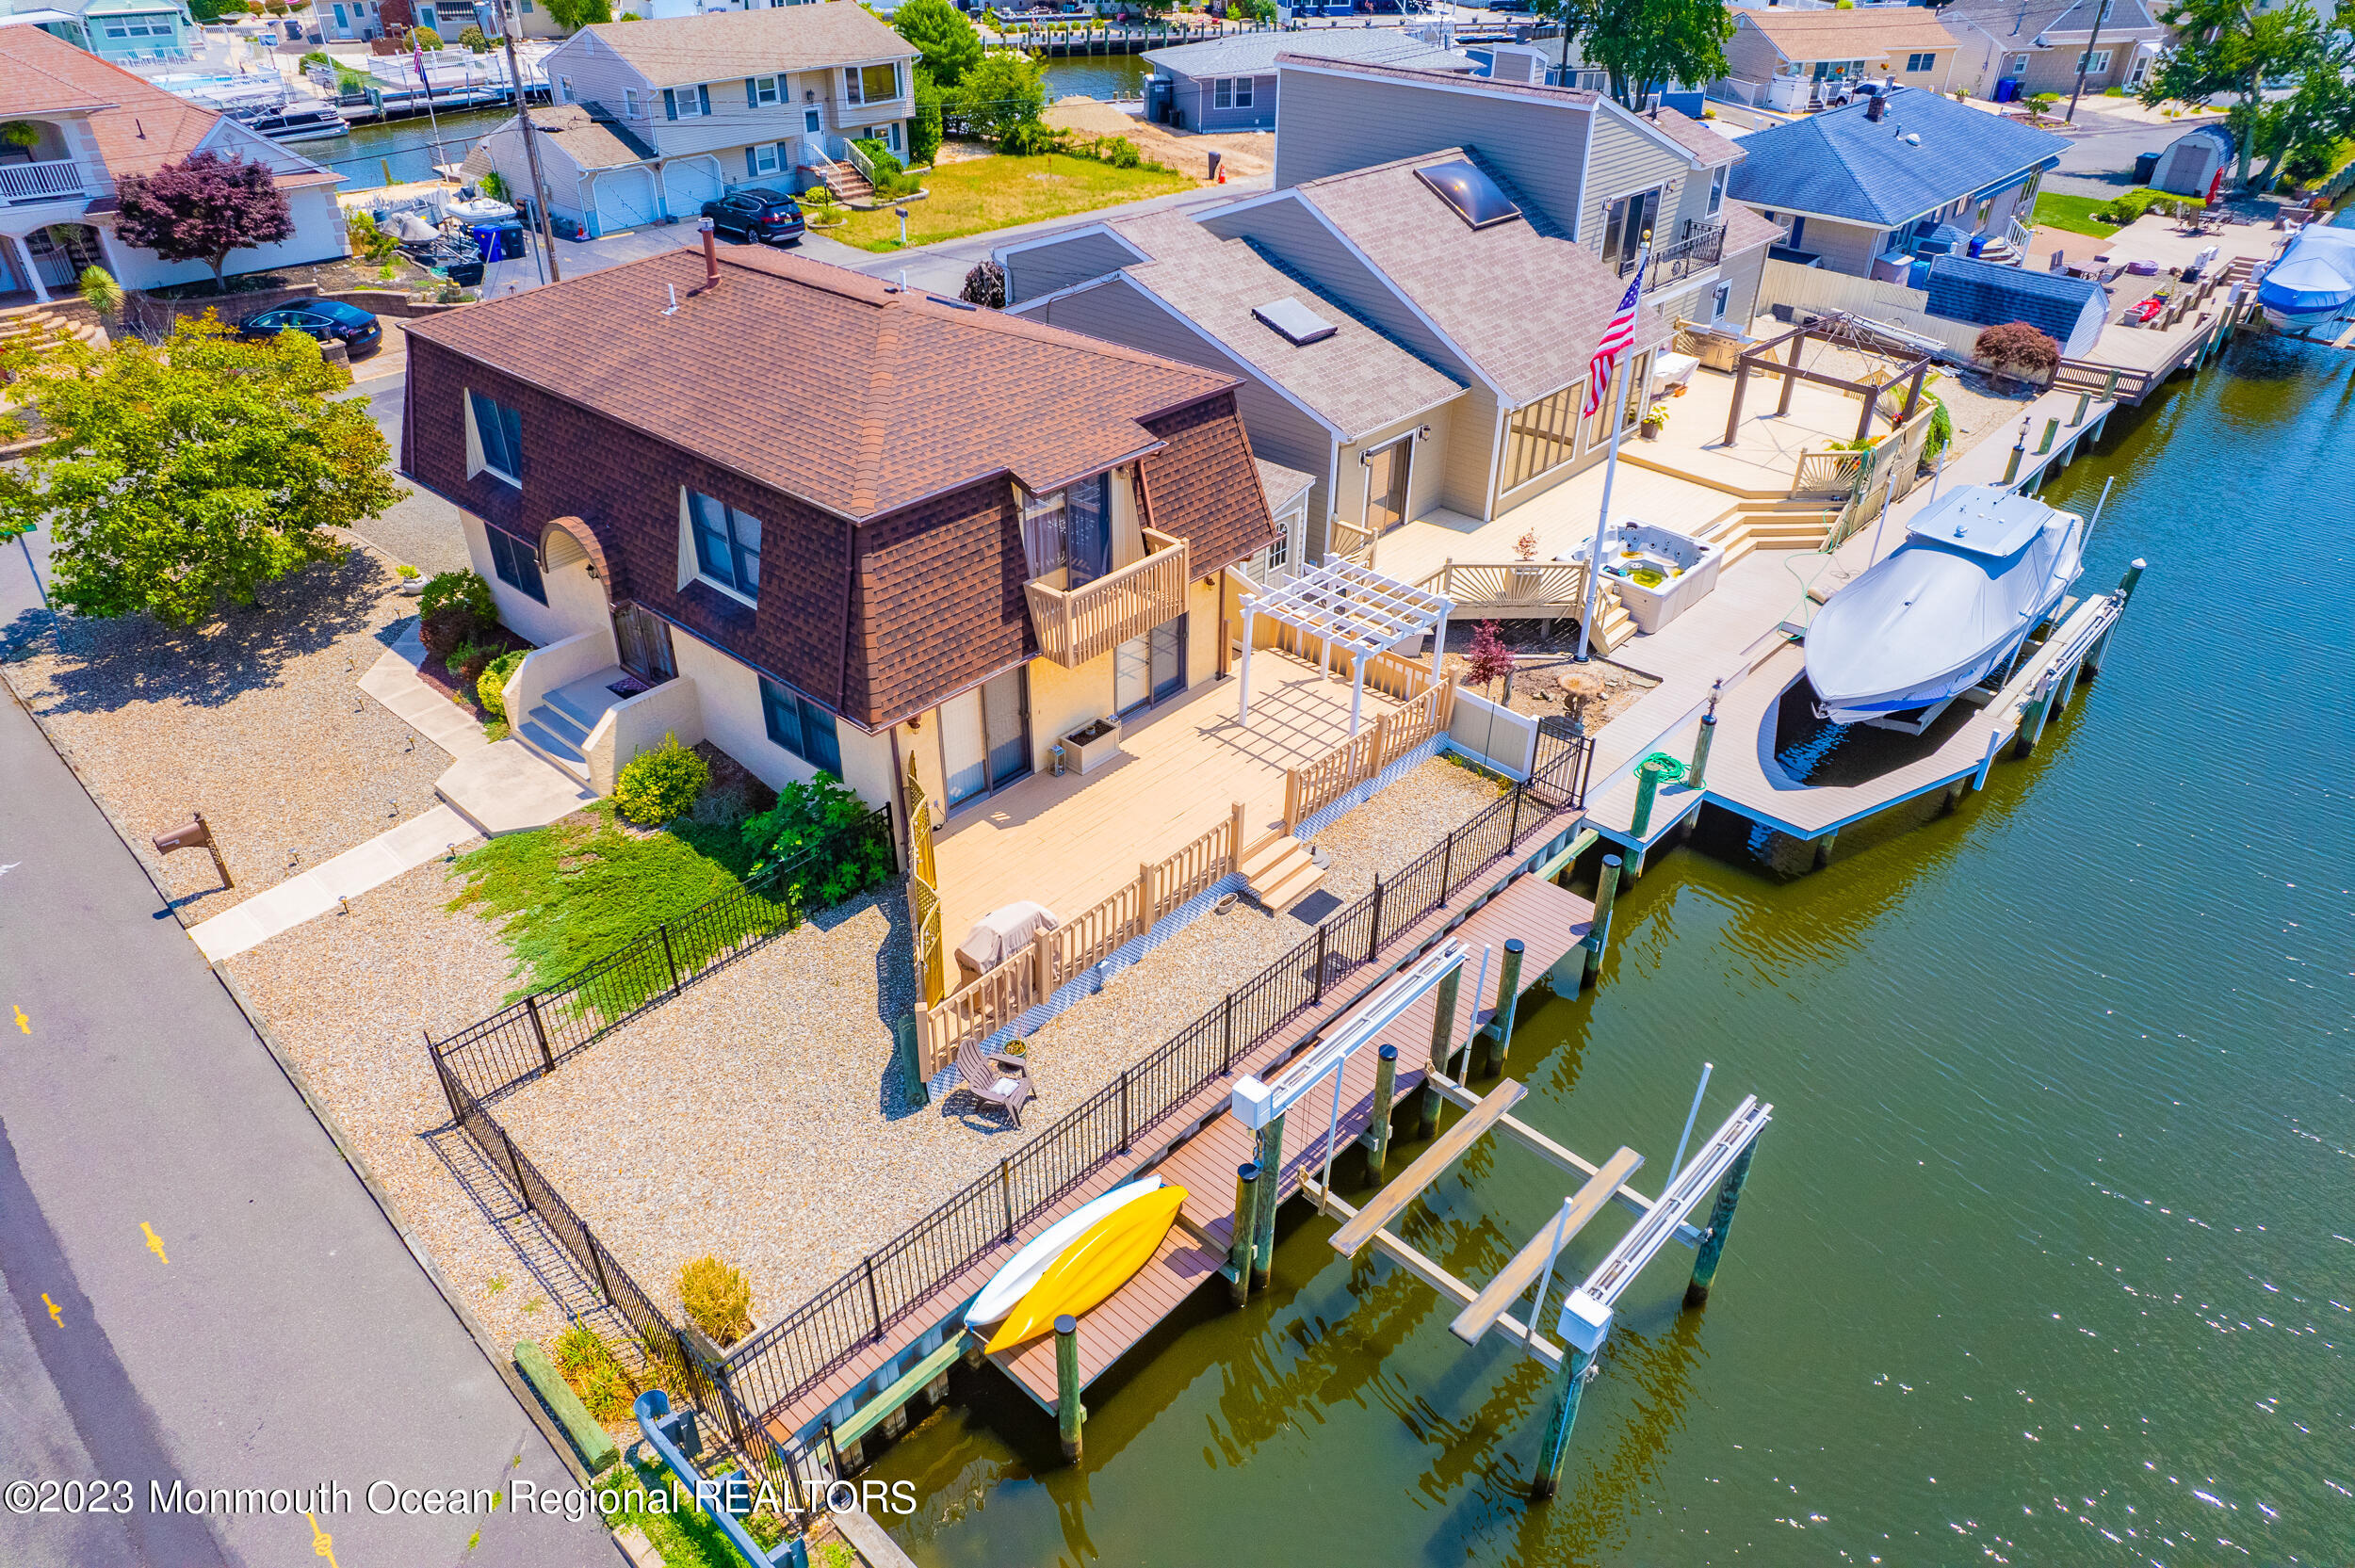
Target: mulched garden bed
<point>458,687</point>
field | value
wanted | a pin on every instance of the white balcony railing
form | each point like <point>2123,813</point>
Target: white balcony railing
<point>41,182</point>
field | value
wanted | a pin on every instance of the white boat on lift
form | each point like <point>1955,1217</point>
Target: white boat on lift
<point>2312,285</point>
<point>1979,569</point>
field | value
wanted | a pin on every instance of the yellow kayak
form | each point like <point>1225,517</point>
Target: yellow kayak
<point>1092,1268</point>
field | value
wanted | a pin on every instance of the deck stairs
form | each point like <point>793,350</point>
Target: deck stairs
<point>557,728</point>
<point>32,322</point>
<point>847,184</point>
<point>1614,625</point>
<point>1280,872</point>
<point>1784,525</point>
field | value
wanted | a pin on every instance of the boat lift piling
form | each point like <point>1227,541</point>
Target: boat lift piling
<point>1377,1134</point>
<point>1498,1033</point>
<point>1239,1248</point>
<point>1599,933</point>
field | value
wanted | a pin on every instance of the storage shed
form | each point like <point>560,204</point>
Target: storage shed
<point>2068,310</point>
<point>2192,161</point>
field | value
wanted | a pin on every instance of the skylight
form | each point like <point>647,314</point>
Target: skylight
<point>1295,322</point>
<point>1473,195</point>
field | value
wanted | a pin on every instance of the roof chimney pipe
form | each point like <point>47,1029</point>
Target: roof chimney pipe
<point>711,255</point>
<point>1875,106</point>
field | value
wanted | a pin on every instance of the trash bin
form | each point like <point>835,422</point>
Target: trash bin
<point>2146,164</point>
<point>2006,89</point>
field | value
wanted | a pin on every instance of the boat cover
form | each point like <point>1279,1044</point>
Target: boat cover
<point>2317,274</point>
<point>1977,570</point>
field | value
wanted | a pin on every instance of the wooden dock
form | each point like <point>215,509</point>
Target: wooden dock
<point>1549,920</point>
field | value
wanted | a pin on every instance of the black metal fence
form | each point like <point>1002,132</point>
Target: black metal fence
<point>529,1037</point>
<point>766,1372</point>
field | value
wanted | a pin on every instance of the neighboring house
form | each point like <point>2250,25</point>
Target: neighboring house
<point>650,119</point>
<point>2193,162</point>
<point>351,20</point>
<point>1229,84</point>
<point>2070,310</point>
<point>1866,187</point>
<point>111,29</point>
<point>874,555</point>
<point>1794,60</point>
<point>1412,310</point>
<point>97,123</point>
<point>2036,45</point>
<point>347,21</point>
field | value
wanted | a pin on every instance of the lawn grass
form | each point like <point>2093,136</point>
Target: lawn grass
<point>569,894</point>
<point>982,194</point>
<point>2056,209</point>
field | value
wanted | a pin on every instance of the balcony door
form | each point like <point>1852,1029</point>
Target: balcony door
<point>985,736</point>
<point>1385,485</point>
<point>1149,669</point>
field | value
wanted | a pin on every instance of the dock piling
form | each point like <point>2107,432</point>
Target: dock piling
<point>1500,1030</point>
<point>1385,1091</point>
<point>1239,1239</point>
<point>1069,1411</point>
<point>1824,848</point>
<point>1599,933</point>
<point>2052,428</point>
<point>2126,584</point>
<point>1263,1201</point>
<point>2084,400</point>
<point>1577,1366</point>
<point>2032,721</point>
<point>1443,1047</point>
<point>1651,774</point>
<point>1699,771</point>
<point>2019,450</point>
<point>1712,1245</point>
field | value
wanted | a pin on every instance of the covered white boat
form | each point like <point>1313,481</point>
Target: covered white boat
<point>1978,571</point>
<point>2313,284</point>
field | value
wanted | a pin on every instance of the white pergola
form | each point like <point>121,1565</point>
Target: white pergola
<point>1351,607</point>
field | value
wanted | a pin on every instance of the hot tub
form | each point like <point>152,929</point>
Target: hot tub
<point>1657,574</point>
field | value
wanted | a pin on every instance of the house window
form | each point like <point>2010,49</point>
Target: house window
<point>1922,62</point>
<point>800,726</point>
<point>2019,65</point>
<point>1279,554</point>
<point>1717,191</point>
<point>686,102</point>
<point>810,121</point>
<point>564,86</point>
<point>500,436</point>
<point>871,84</point>
<point>629,102</point>
<point>1543,436</point>
<point>516,564</point>
<point>764,90</point>
<point>2094,62</point>
<point>1231,92</point>
<point>762,159</point>
<point>727,546</point>
<point>1719,300</point>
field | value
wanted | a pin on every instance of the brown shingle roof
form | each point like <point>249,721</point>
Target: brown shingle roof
<point>675,50</point>
<point>825,383</point>
<point>1695,138</point>
<point>1864,34</point>
<point>1527,308</point>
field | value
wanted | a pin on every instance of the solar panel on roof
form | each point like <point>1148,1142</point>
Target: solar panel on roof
<point>1473,195</point>
<point>1298,324</point>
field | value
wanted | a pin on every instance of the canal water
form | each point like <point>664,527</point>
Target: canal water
<point>1099,76</point>
<point>2049,1255</point>
<point>406,147</point>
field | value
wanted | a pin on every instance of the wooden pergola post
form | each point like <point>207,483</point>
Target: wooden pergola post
<point>1242,714</point>
<point>1741,385</point>
<point>1790,382</point>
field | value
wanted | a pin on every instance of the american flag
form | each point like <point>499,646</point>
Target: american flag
<point>1616,339</point>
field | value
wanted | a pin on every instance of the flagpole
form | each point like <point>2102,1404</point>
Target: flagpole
<point>1610,466</point>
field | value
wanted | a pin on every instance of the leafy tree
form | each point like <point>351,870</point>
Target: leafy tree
<point>201,209</point>
<point>1644,43</point>
<point>101,293</point>
<point>951,46</point>
<point>184,478</point>
<point>1005,91</point>
<point>1487,659</point>
<point>1251,10</point>
<point>2300,135</point>
<point>573,15</point>
<point>2016,348</point>
<point>924,125</point>
<point>985,285</point>
<point>2229,46</point>
<point>424,37</point>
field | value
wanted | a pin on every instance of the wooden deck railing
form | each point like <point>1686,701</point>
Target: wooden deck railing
<point>1429,708</point>
<point>1077,624</point>
<point>1505,589</point>
<point>1003,994</point>
<point>1349,540</point>
<point>1827,473</point>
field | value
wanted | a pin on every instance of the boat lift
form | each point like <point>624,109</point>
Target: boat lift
<point>1723,1163</point>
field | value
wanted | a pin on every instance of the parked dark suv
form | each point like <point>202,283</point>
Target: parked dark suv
<point>756,213</point>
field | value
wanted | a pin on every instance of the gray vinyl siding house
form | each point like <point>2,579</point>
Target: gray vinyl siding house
<point>1231,83</point>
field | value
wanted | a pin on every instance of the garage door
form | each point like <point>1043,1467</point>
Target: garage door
<point>624,200</point>
<point>690,184</point>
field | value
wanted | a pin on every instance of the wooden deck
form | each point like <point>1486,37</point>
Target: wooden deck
<point>1071,842</point>
<point>1550,922</point>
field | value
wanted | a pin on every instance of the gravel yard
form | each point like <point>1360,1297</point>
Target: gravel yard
<point>256,721</point>
<point>758,1117</point>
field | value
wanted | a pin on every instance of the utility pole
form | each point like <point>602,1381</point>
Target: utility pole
<point>531,148</point>
<point>2087,59</point>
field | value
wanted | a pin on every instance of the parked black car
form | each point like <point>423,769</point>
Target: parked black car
<point>757,214</point>
<point>328,321</point>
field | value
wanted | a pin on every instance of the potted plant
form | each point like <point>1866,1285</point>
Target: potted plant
<point>1093,744</point>
<point>1655,420</point>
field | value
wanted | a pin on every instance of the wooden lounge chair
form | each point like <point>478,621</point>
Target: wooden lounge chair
<point>995,1080</point>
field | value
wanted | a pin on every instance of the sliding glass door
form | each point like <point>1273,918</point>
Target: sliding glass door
<point>985,736</point>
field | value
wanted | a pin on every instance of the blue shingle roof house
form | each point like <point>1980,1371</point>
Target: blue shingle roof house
<point>2068,310</point>
<point>1860,188</point>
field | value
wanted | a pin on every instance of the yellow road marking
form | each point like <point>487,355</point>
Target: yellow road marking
<point>56,1312</point>
<point>322,1544</point>
<point>154,1243</point>
<point>24,1022</point>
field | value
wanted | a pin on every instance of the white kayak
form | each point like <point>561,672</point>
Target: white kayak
<point>1013,1282</point>
<point>1978,573</point>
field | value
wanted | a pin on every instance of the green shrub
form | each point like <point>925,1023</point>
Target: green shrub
<point>1027,138</point>
<point>588,1365</point>
<point>659,784</point>
<point>495,186</point>
<point>1942,429</point>
<point>460,590</point>
<point>1122,154</point>
<point>817,833</point>
<point>880,154</point>
<point>489,687</point>
<point>472,39</point>
<point>100,292</point>
<point>370,241</point>
<point>717,1299</point>
<point>2130,205</point>
<point>318,56</point>
<point>425,38</point>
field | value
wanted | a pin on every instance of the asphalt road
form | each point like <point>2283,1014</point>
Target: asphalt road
<point>198,1289</point>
